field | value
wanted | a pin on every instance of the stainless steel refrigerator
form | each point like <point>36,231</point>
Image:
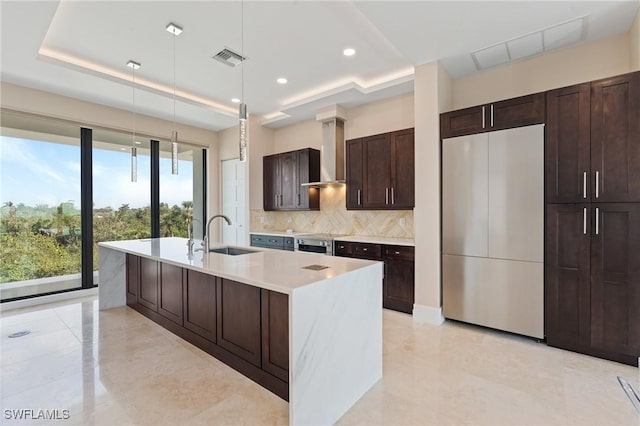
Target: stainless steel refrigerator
<point>493,229</point>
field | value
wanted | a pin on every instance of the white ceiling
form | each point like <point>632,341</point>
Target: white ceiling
<point>80,48</point>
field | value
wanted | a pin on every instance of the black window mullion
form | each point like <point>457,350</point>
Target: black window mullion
<point>86,205</point>
<point>204,189</point>
<point>155,189</point>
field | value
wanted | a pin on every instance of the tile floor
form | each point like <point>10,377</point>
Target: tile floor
<point>116,367</point>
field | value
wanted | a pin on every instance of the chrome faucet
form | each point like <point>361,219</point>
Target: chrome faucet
<point>190,241</point>
<point>205,241</point>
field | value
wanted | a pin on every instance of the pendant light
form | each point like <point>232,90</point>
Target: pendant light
<point>176,31</point>
<point>242,108</point>
<point>134,151</point>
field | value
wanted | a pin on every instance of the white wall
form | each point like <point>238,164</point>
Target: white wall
<point>634,44</point>
<point>379,117</point>
<point>433,95</point>
<point>555,69</point>
<point>306,134</point>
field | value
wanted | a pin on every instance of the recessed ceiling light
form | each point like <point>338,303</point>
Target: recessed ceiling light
<point>349,51</point>
<point>282,80</point>
<point>173,29</point>
<point>133,65</point>
<point>123,149</point>
<point>138,143</point>
<point>235,100</point>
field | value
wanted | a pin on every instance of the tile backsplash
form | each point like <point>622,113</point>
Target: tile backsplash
<point>333,217</point>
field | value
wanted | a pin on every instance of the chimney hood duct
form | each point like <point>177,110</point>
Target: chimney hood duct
<point>331,155</point>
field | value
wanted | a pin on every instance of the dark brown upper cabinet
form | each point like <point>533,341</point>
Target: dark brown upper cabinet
<point>283,175</point>
<point>568,145</point>
<point>381,171</point>
<point>593,141</point>
<point>615,138</point>
<point>507,114</point>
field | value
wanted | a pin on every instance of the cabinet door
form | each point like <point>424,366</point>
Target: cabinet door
<point>567,276</point>
<point>133,279</point>
<point>516,112</point>
<point>148,288</point>
<point>288,181</point>
<point>399,278</point>
<point>463,122</point>
<point>377,171</point>
<point>170,293</point>
<point>615,279</point>
<point>402,169</point>
<point>270,182</point>
<point>200,304</point>
<point>275,334</point>
<point>238,323</point>
<point>615,138</point>
<point>354,173</point>
<point>568,145</point>
<point>302,192</point>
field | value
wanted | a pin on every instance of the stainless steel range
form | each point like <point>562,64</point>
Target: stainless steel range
<point>316,243</point>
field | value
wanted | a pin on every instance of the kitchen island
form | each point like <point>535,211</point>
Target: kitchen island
<point>310,335</point>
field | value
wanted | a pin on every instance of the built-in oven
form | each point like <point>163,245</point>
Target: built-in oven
<point>316,243</point>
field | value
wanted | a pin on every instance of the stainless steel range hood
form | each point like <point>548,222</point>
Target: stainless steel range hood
<point>332,153</point>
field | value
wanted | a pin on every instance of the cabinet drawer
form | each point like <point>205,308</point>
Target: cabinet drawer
<point>366,251</point>
<point>342,248</point>
<point>398,252</point>
<point>274,242</point>
<point>258,240</point>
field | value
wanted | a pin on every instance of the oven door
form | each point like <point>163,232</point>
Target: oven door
<point>312,248</point>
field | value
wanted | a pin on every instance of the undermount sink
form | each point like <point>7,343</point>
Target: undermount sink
<point>231,251</point>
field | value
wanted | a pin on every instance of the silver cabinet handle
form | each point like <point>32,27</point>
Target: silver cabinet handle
<point>276,200</point>
<point>483,125</point>
<point>597,184</point>
<point>365,249</point>
<point>584,221</point>
<point>584,185</point>
<point>597,221</point>
<point>359,197</point>
<point>393,198</point>
<point>386,195</point>
<point>491,115</point>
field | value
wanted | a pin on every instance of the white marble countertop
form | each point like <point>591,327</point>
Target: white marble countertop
<point>276,270</point>
<point>379,240</point>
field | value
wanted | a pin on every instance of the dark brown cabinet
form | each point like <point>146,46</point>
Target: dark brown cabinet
<point>148,286</point>
<point>133,278</point>
<point>275,334</point>
<point>200,304</point>
<point>593,141</point>
<point>283,175</point>
<point>398,284</point>
<point>170,292</point>
<point>507,114</point>
<point>592,277</point>
<point>381,171</point>
<point>245,327</point>
<point>239,319</point>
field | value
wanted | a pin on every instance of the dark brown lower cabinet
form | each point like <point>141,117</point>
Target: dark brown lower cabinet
<point>592,279</point>
<point>245,327</point>
<point>148,286</point>
<point>275,334</point>
<point>239,319</point>
<point>200,304</point>
<point>170,304</point>
<point>133,278</point>
<point>398,285</point>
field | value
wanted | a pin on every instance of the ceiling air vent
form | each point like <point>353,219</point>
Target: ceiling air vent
<point>229,57</point>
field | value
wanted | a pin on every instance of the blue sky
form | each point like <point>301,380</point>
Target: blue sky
<point>34,172</point>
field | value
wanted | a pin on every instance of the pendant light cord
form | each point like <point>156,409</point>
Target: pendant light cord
<point>242,49</point>
<point>133,92</point>
<point>174,82</point>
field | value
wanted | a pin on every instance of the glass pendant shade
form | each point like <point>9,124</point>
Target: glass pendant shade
<point>134,164</point>
<point>244,136</point>
<point>174,152</point>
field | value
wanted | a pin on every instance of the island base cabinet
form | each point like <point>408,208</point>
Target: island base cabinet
<point>275,334</point>
<point>170,293</point>
<point>200,304</point>
<point>239,319</point>
<point>245,327</point>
